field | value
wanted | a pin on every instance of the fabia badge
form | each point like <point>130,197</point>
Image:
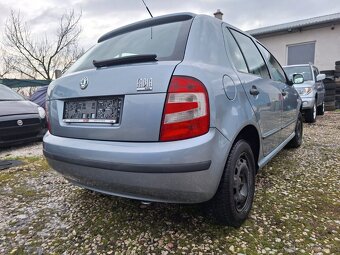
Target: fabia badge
<point>84,83</point>
<point>144,84</point>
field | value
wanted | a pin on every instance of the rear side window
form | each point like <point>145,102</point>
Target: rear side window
<point>274,66</point>
<point>255,62</point>
<point>235,52</point>
<point>167,41</point>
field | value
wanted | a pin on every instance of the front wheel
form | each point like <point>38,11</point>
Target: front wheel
<point>234,197</point>
<point>310,114</point>
<point>321,109</point>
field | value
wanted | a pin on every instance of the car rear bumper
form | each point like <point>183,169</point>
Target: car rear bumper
<point>186,171</point>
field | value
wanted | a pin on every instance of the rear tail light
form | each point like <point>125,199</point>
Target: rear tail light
<point>186,111</point>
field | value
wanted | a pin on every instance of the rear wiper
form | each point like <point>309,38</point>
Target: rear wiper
<point>125,60</point>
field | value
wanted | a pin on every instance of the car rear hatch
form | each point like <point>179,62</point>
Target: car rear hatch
<point>117,90</point>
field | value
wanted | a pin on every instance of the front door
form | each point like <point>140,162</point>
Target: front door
<point>288,94</point>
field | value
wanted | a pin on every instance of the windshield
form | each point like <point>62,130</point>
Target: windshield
<point>167,41</point>
<point>304,70</point>
<point>6,94</point>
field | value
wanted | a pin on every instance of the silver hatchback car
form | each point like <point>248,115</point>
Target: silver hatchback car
<point>181,108</point>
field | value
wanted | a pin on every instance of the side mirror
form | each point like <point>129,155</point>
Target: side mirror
<point>320,77</point>
<point>298,78</point>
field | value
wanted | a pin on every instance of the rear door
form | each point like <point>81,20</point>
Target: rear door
<point>288,95</point>
<point>263,95</point>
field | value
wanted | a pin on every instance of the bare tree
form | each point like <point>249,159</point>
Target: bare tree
<point>6,64</point>
<point>38,56</point>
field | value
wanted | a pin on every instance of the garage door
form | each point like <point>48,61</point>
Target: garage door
<point>302,53</point>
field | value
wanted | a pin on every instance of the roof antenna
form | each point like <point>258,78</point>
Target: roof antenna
<point>147,8</point>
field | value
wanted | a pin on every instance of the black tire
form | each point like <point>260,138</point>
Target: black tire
<point>320,110</point>
<point>297,140</point>
<point>328,72</point>
<point>337,63</point>
<point>329,79</point>
<point>310,114</point>
<point>234,197</point>
<point>330,92</point>
<point>330,85</point>
<point>330,106</point>
<point>329,98</point>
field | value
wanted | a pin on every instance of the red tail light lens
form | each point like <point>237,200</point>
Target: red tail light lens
<point>186,112</point>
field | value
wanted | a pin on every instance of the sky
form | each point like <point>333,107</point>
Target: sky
<point>101,16</point>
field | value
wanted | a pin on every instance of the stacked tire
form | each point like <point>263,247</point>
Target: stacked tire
<point>337,86</point>
<point>330,86</point>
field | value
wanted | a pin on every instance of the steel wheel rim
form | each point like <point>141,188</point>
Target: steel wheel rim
<point>314,111</point>
<point>241,183</point>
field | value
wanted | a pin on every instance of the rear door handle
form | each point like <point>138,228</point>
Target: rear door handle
<point>253,91</point>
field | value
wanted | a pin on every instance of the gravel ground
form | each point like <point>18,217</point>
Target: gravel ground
<point>296,211</point>
<point>26,150</point>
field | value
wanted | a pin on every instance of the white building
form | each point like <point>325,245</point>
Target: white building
<point>315,40</point>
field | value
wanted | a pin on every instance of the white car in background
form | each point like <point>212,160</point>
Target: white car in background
<point>311,91</point>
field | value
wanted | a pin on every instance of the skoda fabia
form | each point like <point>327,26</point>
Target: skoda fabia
<point>181,108</point>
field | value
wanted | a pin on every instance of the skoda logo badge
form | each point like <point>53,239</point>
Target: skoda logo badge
<point>20,122</point>
<point>84,83</point>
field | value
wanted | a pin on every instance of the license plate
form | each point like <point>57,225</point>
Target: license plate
<point>98,110</point>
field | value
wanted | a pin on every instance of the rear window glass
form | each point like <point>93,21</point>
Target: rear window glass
<point>6,94</point>
<point>167,41</point>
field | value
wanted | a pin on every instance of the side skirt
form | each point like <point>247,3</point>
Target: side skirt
<point>267,158</point>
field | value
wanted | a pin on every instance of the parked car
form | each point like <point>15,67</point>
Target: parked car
<point>312,90</point>
<point>181,108</point>
<point>21,121</point>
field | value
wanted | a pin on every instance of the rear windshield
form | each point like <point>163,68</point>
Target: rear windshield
<point>6,94</point>
<point>167,41</point>
<point>304,70</point>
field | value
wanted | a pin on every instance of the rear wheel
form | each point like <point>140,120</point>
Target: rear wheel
<point>297,140</point>
<point>310,114</point>
<point>321,109</point>
<point>234,197</point>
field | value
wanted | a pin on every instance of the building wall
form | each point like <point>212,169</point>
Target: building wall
<point>327,45</point>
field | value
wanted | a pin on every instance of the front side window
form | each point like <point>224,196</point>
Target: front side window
<point>256,64</point>
<point>304,70</point>
<point>167,41</point>
<point>274,67</point>
<point>6,94</point>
